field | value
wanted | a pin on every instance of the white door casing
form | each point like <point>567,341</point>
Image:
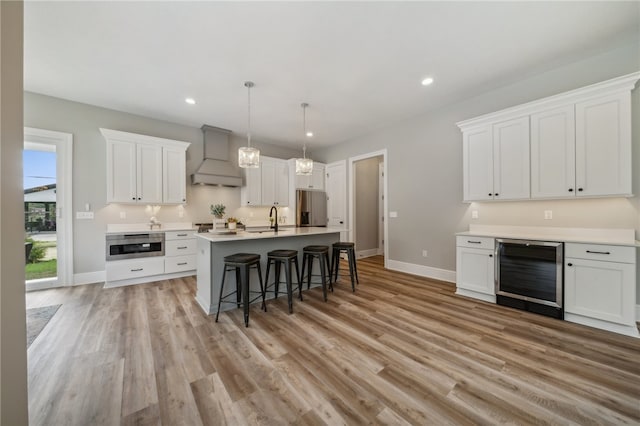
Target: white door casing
<point>336,188</point>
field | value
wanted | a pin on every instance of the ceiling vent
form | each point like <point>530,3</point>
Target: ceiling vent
<point>216,169</point>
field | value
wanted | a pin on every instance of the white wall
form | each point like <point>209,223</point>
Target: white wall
<point>89,173</point>
<point>13,340</point>
<point>425,166</point>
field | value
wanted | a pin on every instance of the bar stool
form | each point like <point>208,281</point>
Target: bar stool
<point>322,253</point>
<point>286,258</point>
<point>241,263</point>
<point>349,248</point>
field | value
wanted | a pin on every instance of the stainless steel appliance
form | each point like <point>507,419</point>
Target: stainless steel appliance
<point>529,276</point>
<point>134,245</point>
<point>311,208</point>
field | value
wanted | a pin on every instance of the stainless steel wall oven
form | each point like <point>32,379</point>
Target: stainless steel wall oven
<point>132,246</point>
<point>529,276</point>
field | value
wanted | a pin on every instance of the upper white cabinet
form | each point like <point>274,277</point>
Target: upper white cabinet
<point>511,159</point>
<point>603,145</point>
<point>144,169</point>
<point>267,185</point>
<point>496,161</point>
<point>576,144</point>
<point>315,181</point>
<point>553,153</point>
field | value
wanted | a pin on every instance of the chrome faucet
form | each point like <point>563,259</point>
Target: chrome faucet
<point>274,226</point>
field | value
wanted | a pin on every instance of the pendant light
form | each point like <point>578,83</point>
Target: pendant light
<point>248,157</point>
<point>304,165</point>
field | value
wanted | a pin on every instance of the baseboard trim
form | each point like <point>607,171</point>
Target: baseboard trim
<point>89,277</point>
<point>366,253</point>
<point>421,270</point>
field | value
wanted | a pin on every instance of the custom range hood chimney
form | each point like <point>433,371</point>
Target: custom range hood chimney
<point>216,169</point>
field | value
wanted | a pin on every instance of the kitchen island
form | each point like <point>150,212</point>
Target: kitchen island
<point>212,248</point>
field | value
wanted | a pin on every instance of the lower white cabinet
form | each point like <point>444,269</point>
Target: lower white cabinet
<point>180,248</point>
<point>475,268</point>
<point>600,286</point>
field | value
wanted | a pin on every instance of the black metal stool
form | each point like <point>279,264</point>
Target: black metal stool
<point>286,258</point>
<point>241,263</point>
<point>322,253</point>
<point>349,248</point>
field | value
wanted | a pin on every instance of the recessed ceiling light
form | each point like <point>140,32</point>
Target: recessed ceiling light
<point>309,134</point>
<point>427,81</point>
<point>190,101</point>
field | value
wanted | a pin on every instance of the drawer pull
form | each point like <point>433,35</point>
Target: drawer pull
<point>569,264</point>
<point>182,263</point>
<point>598,252</point>
<point>182,235</point>
<point>474,242</point>
<point>182,248</point>
<point>137,270</point>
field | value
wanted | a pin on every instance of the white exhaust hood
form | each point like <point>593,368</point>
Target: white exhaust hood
<point>216,169</point>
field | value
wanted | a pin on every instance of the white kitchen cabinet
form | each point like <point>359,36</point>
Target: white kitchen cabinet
<point>511,159</point>
<point>575,144</point>
<point>603,146</point>
<point>475,268</point>
<point>144,169</point>
<point>496,161</point>
<point>275,182</point>
<point>251,192</point>
<point>553,153</point>
<point>315,181</point>
<point>119,270</point>
<point>180,251</point>
<point>267,185</point>
<point>600,286</point>
<point>174,176</point>
<point>477,151</point>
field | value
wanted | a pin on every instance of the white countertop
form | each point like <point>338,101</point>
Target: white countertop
<point>609,236</point>
<point>118,228</point>
<point>256,235</point>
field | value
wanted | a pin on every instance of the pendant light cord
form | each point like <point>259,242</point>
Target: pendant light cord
<point>249,116</point>
<point>304,130</point>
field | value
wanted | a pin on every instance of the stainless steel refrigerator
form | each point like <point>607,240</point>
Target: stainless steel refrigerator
<point>311,208</point>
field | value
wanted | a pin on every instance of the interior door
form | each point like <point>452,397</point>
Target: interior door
<point>336,188</point>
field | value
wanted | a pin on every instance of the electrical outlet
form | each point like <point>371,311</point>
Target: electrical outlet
<point>393,214</point>
<point>123,215</point>
<point>424,253</point>
<point>474,214</point>
<point>84,215</point>
<point>548,214</point>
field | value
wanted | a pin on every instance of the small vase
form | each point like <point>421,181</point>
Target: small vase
<point>232,226</point>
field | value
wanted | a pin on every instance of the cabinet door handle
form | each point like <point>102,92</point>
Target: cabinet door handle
<point>474,242</point>
<point>490,194</point>
<point>569,264</point>
<point>570,189</point>
<point>182,263</point>
<point>579,189</point>
<point>490,255</point>
<point>133,198</point>
<point>496,194</point>
<point>598,252</point>
<point>137,270</point>
<point>182,248</point>
<point>181,235</point>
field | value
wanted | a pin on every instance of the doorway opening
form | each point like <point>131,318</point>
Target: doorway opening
<point>368,204</point>
<point>47,209</point>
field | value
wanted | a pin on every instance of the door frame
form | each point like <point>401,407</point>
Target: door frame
<point>351,189</point>
<point>63,143</point>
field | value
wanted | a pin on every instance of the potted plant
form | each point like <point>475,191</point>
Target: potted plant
<point>231,223</point>
<point>217,211</point>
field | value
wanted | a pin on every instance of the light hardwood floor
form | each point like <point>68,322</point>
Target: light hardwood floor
<point>401,350</point>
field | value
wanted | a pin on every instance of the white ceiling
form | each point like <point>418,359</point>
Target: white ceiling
<point>358,64</point>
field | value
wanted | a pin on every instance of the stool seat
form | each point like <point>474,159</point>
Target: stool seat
<point>241,258</point>
<point>286,254</point>
<point>343,244</point>
<point>316,249</point>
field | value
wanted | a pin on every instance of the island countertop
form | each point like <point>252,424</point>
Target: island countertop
<point>256,234</point>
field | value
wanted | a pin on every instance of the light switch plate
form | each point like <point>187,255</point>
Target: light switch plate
<point>84,215</point>
<point>393,214</point>
<point>548,214</point>
<point>474,214</point>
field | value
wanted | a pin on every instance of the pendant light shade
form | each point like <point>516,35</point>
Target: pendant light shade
<point>248,157</point>
<point>304,165</point>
